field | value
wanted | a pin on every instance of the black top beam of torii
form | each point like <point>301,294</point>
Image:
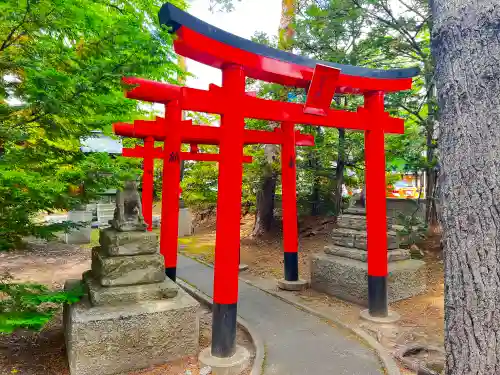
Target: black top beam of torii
<point>175,18</point>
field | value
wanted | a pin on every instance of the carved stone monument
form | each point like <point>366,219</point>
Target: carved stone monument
<point>132,316</point>
<point>341,270</point>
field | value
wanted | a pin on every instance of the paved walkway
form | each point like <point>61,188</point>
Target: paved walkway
<point>297,343</point>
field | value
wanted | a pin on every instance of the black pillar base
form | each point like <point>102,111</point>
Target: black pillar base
<point>377,296</point>
<point>224,330</point>
<point>291,266</point>
<point>171,273</point>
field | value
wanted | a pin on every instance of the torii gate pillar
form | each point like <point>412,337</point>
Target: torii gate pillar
<point>291,279</point>
<point>376,214</point>
<point>227,240</point>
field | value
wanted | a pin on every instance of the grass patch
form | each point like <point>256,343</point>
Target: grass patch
<point>190,246</point>
<point>94,239</point>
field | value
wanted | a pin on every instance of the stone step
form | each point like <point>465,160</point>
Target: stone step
<point>355,238</point>
<point>116,295</point>
<point>357,222</point>
<point>362,255</point>
<point>356,211</point>
<point>127,270</point>
<point>361,212</point>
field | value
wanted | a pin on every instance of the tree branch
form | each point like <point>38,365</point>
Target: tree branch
<point>411,9</point>
<point>412,112</point>
<point>6,43</point>
<point>395,25</point>
<point>116,7</point>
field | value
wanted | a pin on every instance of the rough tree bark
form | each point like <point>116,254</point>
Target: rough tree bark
<point>339,172</point>
<point>466,46</point>
<point>339,169</point>
<point>430,126</point>
<point>264,215</point>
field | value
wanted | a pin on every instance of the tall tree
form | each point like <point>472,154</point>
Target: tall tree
<point>400,32</point>
<point>331,31</point>
<point>61,64</point>
<point>466,46</point>
<point>265,196</point>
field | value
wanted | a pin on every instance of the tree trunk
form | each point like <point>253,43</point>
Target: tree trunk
<point>315,166</point>
<point>264,215</point>
<point>339,169</point>
<point>315,197</point>
<point>430,128</point>
<point>265,208</point>
<point>466,46</point>
<point>339,173</point>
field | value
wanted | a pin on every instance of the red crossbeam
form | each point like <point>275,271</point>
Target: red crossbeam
<point>138,152</point>
<point>204,134</point>
<point>215,101</point>
<point>211,52</point>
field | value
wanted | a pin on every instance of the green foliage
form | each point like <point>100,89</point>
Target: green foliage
<point>414,229</point>
<point>30,306</point>
<point>61,64</point>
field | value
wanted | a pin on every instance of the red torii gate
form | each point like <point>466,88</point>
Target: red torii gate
<point>239,58</point>
<point>195,135</point>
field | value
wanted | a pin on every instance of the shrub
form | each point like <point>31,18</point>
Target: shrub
<point>30,306</point>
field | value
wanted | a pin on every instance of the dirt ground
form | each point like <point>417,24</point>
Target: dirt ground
<point>422,316</point>
<point>27,353</point>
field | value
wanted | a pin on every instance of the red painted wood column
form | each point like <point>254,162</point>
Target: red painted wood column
<point>289,202</point>
<point>227,241</point>
<point>170,188</point>
<point>376,215</point>
<point>147,182</point>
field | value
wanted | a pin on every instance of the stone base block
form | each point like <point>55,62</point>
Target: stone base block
<point>115,243</point>
<point>119,295</point>
<point>127,270</point>
<point>292,285</point>
<point>243,267</point>
<point>392,317</point>
<point>233,365</point>
<point>347,278</point>
<point>109,340</point>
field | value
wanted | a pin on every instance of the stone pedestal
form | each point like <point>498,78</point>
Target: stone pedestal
<point>79,235</point>
<point>132,316</point>
<point>341,270</point>
<point>185,222</point>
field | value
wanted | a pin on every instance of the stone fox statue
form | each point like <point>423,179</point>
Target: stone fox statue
<point>128,210</point>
